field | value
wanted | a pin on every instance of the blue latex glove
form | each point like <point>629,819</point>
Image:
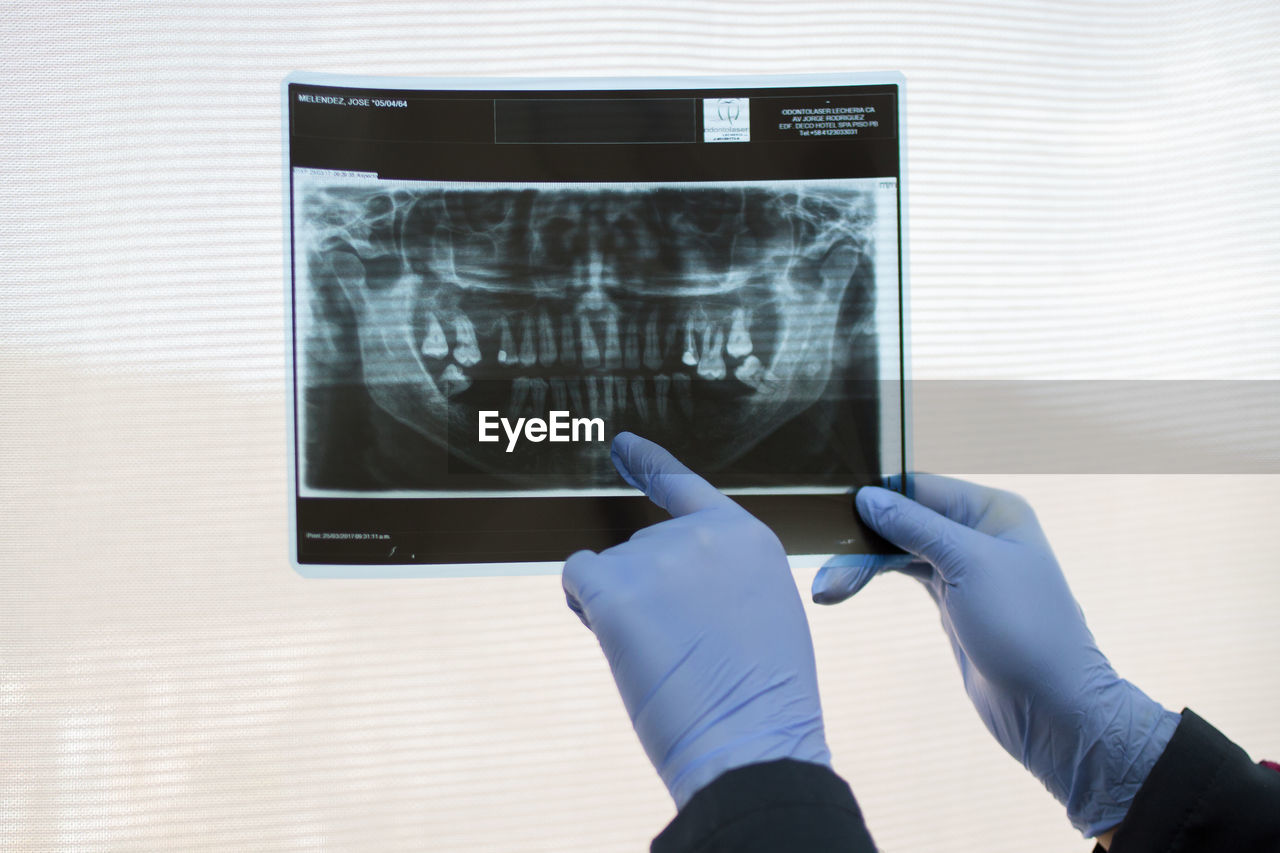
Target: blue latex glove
<point>1029,663</point>
<point>701,622</point>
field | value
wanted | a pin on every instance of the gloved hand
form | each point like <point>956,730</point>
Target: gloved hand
<point>701,622</point>
<point>1029,663</point>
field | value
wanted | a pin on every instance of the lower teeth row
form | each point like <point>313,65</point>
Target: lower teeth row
<point>605,395</point>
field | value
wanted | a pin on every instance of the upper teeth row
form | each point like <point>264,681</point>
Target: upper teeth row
<point>750,372</point>
<point>704,343</point>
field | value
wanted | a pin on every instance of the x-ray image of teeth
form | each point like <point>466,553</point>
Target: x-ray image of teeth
<point>719,320</point>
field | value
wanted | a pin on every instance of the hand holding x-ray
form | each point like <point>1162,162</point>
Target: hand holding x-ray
<point>1030,664</point>
<point>702,625</point>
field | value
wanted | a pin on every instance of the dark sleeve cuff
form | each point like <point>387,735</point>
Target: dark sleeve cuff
<point>1203,794</point>
<point>777,806</point>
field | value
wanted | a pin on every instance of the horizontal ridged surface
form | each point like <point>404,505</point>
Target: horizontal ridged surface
<point>1093,193</point>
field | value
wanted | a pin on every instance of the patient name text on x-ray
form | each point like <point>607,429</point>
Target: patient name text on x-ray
<point>559,426</point>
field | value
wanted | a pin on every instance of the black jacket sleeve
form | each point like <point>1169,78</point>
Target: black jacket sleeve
<point>1204,794</point>
<point>763,808</point>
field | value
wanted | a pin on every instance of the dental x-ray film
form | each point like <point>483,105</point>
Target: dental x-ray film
<point>488,280</point>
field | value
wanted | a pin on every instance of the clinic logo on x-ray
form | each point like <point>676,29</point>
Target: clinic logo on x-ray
<point>726,120</point>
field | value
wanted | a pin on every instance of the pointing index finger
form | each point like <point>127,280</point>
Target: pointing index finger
<point>667,482</point>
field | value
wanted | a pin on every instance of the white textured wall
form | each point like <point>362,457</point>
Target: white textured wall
<point>1094,189</point>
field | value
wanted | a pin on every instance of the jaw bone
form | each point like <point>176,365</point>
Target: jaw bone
<point>801,248</point>
<point>394,373</point>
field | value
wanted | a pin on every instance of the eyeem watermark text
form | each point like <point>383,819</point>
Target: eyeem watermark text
<point>558,426</point>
